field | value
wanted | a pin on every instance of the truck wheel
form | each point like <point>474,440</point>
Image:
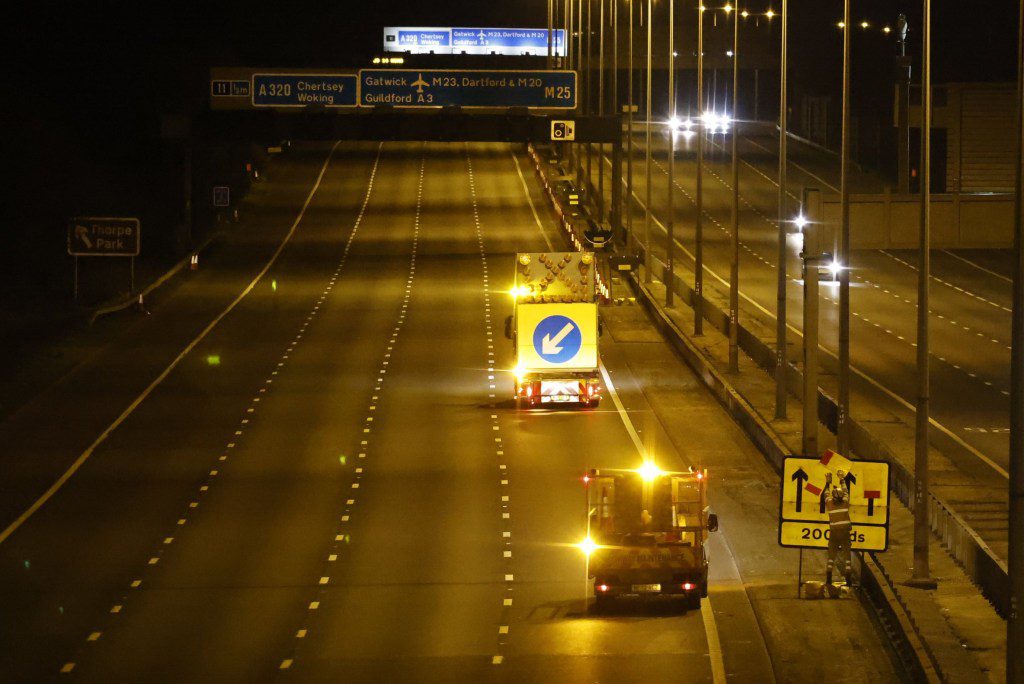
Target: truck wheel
<point>693,602</point>
<point>602,603</point>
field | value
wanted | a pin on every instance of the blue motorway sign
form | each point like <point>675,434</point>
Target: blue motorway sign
<point>304,90</point>
<point>467,88</point>
<point>455,40</point>
<point>557,339</point>
<point>506,40</point>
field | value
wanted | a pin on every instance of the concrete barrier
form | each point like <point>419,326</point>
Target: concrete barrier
<point>891,221</point>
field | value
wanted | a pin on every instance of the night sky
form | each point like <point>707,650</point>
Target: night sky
<point>93,79</point>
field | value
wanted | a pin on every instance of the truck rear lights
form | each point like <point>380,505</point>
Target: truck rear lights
<point>602,588</point>
<point>687,586</point>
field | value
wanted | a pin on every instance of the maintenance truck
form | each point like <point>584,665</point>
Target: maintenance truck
<point>646,534</point>
<point>554,329</point>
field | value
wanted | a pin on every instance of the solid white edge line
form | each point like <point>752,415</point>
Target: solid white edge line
<point>861,374</point>
<point>978,266</point>
<point>706,612</point>
<point>55,487</point>
<point>526,191</point>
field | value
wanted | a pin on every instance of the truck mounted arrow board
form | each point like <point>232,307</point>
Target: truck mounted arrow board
<point>557,335</point>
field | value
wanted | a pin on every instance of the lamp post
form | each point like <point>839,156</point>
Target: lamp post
<point>734,261</point>
<point>648,276</point>
<point>600,111</point>
<point>843,401</point>
<point>1015,560</point>
<point>629,137</point>
<point>780,305</point>
<point>698,252</point>
<point>921,576</point>
<point>670,218</point>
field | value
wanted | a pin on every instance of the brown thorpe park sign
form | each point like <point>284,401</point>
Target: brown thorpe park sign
<point>103,236</point>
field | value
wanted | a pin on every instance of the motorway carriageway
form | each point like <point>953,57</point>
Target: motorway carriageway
<point>970,294</point>
<point>331,482</point>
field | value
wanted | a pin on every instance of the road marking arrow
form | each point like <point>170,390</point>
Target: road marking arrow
<point>800,477</point>
<point>549,345</point>
<point>82,233</point>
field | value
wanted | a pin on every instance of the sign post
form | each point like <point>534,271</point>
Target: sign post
<point>104,236</point>
<point>803,520</point>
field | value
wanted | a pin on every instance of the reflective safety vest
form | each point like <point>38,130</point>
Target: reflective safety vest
<point>838,510</point>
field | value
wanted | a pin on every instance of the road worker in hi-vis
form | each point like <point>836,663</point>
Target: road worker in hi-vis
<point>837,504</point>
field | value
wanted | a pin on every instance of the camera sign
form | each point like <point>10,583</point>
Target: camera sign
<point>563,130</point>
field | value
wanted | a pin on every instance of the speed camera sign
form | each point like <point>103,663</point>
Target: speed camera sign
<point>563,130</point>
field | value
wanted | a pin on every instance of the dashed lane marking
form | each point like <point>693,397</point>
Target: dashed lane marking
<point>85,455</point>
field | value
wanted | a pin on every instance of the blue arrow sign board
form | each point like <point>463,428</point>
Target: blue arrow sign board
<point>304,90</point>
<point>557,339</point>
<point>467,88</point>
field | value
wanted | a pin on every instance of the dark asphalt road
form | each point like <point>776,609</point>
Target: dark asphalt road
<point>333,485</point>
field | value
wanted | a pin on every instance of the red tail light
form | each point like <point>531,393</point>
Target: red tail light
<point>602,588</point>
<point>687,586</point>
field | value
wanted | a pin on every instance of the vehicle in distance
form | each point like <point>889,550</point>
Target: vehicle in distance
<point>554,329</point>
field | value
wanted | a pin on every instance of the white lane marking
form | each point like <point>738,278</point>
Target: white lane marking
<point>977,266</point>
<point>710,628</point>
<point>529,199</point>
<point>84,456</point>
<point>496,660</point>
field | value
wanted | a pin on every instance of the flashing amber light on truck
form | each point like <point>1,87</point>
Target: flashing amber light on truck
<point>649,471</point>
<point>587,546</point>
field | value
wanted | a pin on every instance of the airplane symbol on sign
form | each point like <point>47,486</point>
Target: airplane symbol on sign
<point>482,36</point>
<point>420,84</point>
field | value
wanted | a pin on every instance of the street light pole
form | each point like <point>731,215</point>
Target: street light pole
<point>629,139</point>
<point>648,259</point>
<point>843,418</point>
<point>600,112</point>
<point>589,104</point>
<point>1015,560</point>
<point>734,261</point>
<point>670,222</point>
<point>921,576</point>
<point>551,21</point>
<point>780,304</point>
<point>698,252</point>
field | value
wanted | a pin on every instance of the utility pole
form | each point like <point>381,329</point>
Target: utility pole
<point>780,271</point>
<point>1015,560</point>
<point>698,252</point>
<point>648,259</point>
<point>670,221</point>
<point>811,257</point>
<point>903,63</point>
<point>843,418</point>
<point>734,261</point>
<point>921,577</point>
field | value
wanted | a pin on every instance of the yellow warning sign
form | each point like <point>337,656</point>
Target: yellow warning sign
<point>810,535</point>
<point>805,483</point>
